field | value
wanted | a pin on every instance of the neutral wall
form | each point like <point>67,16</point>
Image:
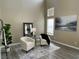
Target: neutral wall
<point>15,12</point>
<point>0,17</point>
<point>0,9</point>
<point>51,3</point>
<point>65,8</point>
<point>0,12</point>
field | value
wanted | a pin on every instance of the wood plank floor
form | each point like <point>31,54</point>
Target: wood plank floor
<point>66,52</point>
<point>62,53</point>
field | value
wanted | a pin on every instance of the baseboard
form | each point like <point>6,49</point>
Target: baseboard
<point>66,45</point>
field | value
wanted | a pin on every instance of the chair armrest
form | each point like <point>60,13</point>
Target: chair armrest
<point>23,42</point>
<point>26,39</point>
<point>31,39</point>
<point>41,38</point>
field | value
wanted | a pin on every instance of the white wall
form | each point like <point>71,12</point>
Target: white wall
<point>39,24</point>
<point>51,3</point>
<point>0,35</point>
<point>16,12</point>
<point>0,9</point>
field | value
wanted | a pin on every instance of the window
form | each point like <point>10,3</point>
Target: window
<point>50,26</point>
<point>50,21</point>
<point>50,12</point>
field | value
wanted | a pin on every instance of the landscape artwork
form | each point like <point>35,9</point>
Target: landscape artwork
<point>66,23</point>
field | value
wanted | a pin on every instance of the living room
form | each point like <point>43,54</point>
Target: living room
<point>37,12</point>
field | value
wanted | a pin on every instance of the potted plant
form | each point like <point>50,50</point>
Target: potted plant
<point>8,35</point>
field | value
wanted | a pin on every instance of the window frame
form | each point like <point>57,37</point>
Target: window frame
<point>50,17</point>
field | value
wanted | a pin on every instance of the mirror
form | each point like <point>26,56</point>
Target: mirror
<point>27,29</point>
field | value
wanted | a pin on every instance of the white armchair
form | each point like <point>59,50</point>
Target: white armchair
<point>27,43</point>
<point>43,41</point>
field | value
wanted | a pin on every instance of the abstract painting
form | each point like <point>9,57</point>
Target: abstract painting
<point>66,23</point>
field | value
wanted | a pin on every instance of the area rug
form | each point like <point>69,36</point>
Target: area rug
<point>38,52</point>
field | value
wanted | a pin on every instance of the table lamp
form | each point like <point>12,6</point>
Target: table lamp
<point>34,31</point>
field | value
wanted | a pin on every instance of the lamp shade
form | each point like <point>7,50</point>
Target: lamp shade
<point>33,29</point>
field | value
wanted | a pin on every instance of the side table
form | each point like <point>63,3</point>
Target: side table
<point>37,40</point>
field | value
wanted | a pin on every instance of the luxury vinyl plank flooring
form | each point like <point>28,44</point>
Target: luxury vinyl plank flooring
<point>62,53</point>
<point>66,52</point>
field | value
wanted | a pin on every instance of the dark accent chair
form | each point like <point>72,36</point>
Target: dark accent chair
<point>46,37</point>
